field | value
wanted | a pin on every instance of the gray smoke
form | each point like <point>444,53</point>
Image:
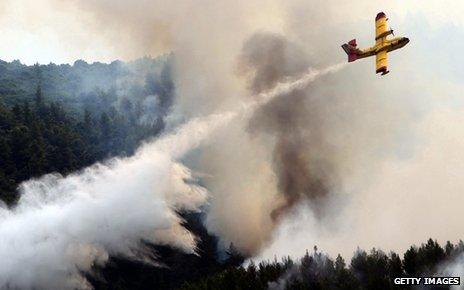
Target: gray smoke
<point>268,58</point>
<point>291,119</point>
<point>312,267</point>
<point>361,128</point>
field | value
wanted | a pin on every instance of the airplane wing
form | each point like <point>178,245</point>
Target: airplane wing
<point>381,59</point>
<point>381,27</point>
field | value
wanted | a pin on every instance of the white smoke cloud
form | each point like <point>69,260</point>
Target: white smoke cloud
<point>64,225</point>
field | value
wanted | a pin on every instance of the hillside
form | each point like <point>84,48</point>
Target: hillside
<point>59,119</point>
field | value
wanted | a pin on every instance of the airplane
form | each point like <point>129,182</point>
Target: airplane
<point>380,49</point>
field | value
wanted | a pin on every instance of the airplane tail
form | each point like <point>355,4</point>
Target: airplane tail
<point>351,50</point>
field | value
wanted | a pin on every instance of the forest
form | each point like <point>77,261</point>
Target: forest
<point>45,130</point>
<point>316,270</point>
<point>59,119</point>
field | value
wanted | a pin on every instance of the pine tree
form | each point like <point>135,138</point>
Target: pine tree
<point>410,263</point>
<point>234,258</point>
<point>395,267</point>
<point>37,162</point>
<point>105,126</point>
<point>38,97</point>
<point>27,114</point>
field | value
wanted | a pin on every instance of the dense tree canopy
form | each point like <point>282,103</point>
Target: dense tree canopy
<point>375,270</point>
<point>42,132</point>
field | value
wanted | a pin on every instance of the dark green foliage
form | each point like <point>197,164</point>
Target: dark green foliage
<point>82,84</point>
<point>372,270</point>
<point>375,270</point>
<point>176,267</point>
<point>424,259</point>
<point>47,138</point>
<point>63,118</point>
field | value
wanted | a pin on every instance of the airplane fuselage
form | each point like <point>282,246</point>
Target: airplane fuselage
<point>384,44</point>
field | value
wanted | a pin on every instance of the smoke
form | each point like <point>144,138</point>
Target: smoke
<point>310,268</point>
<point>409,199</point>
<point>219,61</point>
<point>62,226</point>
<point>350,144</point>
<point>452,268</point>
<point>68,224</point>
<point>269,59</point>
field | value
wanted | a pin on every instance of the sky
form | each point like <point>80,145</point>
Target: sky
<point>420,99</point>
<point>60,31</point>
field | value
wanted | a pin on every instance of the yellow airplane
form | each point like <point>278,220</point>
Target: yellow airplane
<point>380,49</point>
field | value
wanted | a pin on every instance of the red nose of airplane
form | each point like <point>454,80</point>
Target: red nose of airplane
<point>380,15</point>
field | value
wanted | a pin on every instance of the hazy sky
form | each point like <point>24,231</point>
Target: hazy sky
<point>62,31</point>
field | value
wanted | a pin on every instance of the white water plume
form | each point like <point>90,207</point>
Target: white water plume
<point>284,88</point>
<point>62,226</point>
